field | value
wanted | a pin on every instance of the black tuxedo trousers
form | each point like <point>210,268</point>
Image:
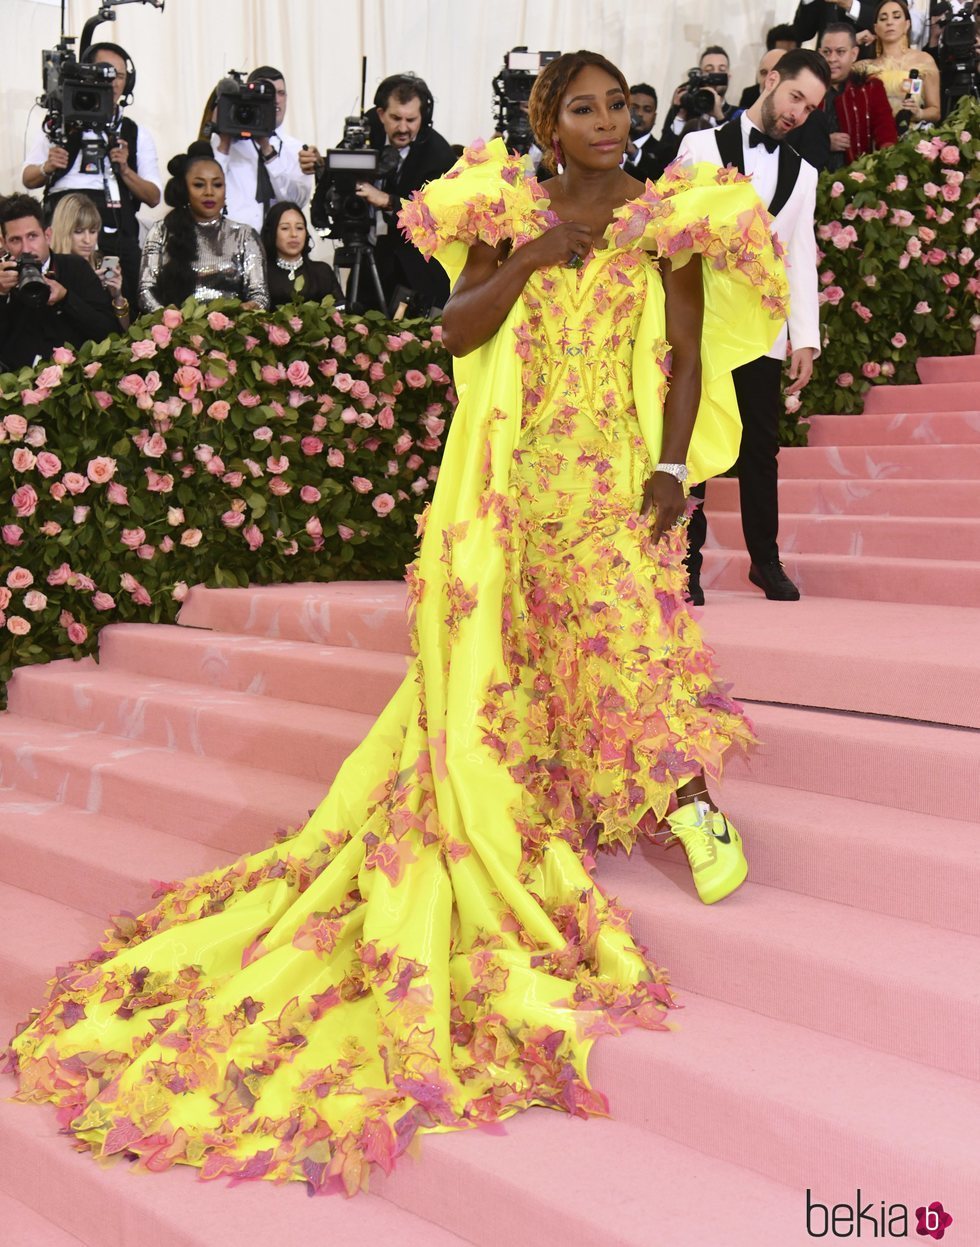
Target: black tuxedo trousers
<point>758,390</point>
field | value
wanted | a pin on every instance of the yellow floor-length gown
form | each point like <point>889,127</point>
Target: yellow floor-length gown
<point>430,951</point>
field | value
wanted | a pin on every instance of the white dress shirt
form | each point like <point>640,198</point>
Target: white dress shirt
<point>241,170</point>
<point>73,179</point>
<point>761,166</point>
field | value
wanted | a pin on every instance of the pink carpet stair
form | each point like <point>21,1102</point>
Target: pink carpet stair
<point>881,506</point>
<point>827,1036</point>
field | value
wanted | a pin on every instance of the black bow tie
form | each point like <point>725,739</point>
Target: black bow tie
<point>756,137</point>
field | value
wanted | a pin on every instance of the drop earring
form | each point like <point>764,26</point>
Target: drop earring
<point>557,152</point>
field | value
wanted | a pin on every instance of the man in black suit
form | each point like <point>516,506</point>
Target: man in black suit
<point>641,146</point>
<point>74,309</point>
<point>412,153</point>
<point>813,16</point>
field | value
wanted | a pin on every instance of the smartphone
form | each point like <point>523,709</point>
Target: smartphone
<point>109,268</point>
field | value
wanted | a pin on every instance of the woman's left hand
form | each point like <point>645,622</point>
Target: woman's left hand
<point>663,494</point>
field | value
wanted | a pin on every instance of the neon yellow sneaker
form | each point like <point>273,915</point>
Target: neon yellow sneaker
<point>713,847</point>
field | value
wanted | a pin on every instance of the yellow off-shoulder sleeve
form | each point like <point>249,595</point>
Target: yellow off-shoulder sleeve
<point>486,196</point>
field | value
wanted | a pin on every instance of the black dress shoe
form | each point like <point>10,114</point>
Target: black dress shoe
<point>695,594</point>
<point>774,582</point>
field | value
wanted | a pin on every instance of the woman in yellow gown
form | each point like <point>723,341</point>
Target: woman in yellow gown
<point>430,952</point>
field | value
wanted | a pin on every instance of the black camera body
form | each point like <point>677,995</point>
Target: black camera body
<point>957,52</point>
<point>244,110</point>
<point>511,92</point>
<point>31,289</point>
<point>340,212</point>
<point>75,96</point>
<point>697,100</point>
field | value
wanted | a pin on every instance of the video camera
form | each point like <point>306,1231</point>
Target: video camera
<point>697,100</point>
<point>342,213</point>
<point>244,110</point>
<point>957,51</point>
<point>511,92</point>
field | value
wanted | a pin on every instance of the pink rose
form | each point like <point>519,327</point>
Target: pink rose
<point>871,370</point>
<point>92,369</point>
<point>360,390</point>
<point>247,399</point>
<point>270,375</point>
<point>35,436</point>
<point>49,378</point>
<point>950,193</point>
<point>335,458</point>
<point>926,234</point>
<point>5,596</point>
<point>145,348</point>
<point>845,379</point>
<point>233,519</point>
<point>383,504</point>
<point>899,340</point>
<point>104,601</point>
<point>159,482</point>
<point>117,494</point>
<point>77,633</point>
<point>377,371</point>
<point>132,537</point>
<point>252,534</point>
<point>935,256</point>
<point>362,484</point>
<point>172,318</point>
<point>344,533</point>
<point>311,445</point>
<point>234,479</point>
<point>277,465</point>
<point>954,176</point>
<point>219,409</point>
<point>161,335</point>
<point>904,260</point>
<point>914,247</point>
<point>18,625</point>
<point>80,514</point>
<point>155,446</point>
<point>219,321</point>
<point>75,483</point>
<point>59,575</point>
<point>901,182</point>
<point>924,148</point>
<point>415,379</point>
<point>860,310</point>
<point>951,280</point>
<point>950,155</point>
<point>310,494</point>
<point>19,578</point>
<point>298,373</point>
<point>922,308</point>
<point>277,335</point>
<point>185,356</point>
<point>888,369</point>
<point>24,499</point>
<point>203,454</point>
<point>191,537</point>
<point>23,459</point>
<point>57,490</point>
<point>100,471</point>
<point>413,462</point>
<point>63,355</point>
<point>279,487</point>
<point>314,528</point>
<point>11,534</point>
<point>15,425</point>
<point>103,399</point>
<point>902,217</point>
<point>343,381</point>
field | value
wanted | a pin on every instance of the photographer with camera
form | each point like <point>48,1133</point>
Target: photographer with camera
<point>46,300</point>
<point>410,154</point>
<point>261,167</point>
<point>115,166</point>
<point>700,98</point>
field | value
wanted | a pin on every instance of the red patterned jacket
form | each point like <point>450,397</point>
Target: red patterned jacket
<point>864,113</point>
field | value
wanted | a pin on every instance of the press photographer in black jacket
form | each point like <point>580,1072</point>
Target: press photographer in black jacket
<point>412,153</point>
<point>74,309</point>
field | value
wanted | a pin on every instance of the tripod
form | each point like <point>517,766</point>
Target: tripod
<point>353,255</point>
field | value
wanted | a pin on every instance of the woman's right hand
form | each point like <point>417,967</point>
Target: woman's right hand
<point>560,244</point>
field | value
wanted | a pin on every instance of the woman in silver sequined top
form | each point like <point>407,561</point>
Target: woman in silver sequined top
<point>195,250</point>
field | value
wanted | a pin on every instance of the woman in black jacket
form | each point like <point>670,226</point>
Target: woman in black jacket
<point>293,276</point>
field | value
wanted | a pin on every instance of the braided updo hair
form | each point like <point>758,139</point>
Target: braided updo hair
<point>550,86</point>
<point>175,281</point>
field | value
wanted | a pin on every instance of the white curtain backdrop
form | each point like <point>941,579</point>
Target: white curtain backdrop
<point>457,47</point>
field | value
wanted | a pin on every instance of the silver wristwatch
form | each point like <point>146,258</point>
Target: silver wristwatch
<point>677,470</point>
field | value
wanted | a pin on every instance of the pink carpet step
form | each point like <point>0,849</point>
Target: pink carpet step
<point>807,1109</point>
<point>918,867</point>
<point>828,967</point>
<point>921,767</point>
<point>888,462</point>
<point>942,369</point>
<point>938,582</point>
<point>236,808</point>
<point>934,503</point>
<point>23,1227</point>
<point>301,613</point>
<point>49,846</point>
<point>948,396</point>
<point>898,659</point>
<point>349,678</point>
<point>239,733</point>
<point>866,536</point>
<point>915,428</point>
<point>208,722</point>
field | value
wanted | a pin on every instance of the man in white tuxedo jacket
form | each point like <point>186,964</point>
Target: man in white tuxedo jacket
<point>787,185</point>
